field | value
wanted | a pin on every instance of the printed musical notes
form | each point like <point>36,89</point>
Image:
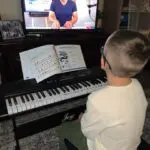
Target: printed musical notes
<point>45,61</point>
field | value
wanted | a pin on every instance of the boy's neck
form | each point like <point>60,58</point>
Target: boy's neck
<point>118,81</point>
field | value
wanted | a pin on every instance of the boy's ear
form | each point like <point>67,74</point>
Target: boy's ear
<point>102,63</point>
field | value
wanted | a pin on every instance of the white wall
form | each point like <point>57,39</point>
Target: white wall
<point>10,9</point>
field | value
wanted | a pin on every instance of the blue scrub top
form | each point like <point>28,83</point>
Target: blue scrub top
<point>63,12</point>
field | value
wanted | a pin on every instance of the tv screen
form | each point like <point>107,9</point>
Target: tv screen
<point>59,14</point>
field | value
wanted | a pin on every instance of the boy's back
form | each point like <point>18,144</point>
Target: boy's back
<point>115,114</point>
<point>119,114</point>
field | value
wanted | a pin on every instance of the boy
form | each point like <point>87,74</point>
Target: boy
<point>115,114</point>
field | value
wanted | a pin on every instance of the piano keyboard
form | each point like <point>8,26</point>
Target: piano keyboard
<point>24,102</point>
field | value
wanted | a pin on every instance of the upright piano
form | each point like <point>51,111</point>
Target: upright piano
<point>36,107</point>
<point>27,108</point>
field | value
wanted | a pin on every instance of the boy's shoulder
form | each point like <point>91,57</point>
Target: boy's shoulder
<point>100,100</point>
<point>101,92</point>
<point>99,95</point>
<point>106,93</point>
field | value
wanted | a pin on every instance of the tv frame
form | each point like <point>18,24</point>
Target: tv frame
<point>58,31</point>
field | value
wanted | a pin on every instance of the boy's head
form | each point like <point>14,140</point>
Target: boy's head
<point>125,53</point>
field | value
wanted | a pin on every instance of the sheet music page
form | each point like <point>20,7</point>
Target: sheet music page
<point>70,57</point>
<point>26,63</point>
<point>42,63</point>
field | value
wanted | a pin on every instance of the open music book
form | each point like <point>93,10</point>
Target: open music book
<point>45,61</point>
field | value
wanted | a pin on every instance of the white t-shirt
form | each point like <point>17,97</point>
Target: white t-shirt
<point>115,117</point>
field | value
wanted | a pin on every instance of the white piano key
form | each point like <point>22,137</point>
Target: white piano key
<point>70,89</point>
<point>41,100</point>
<point>31,102</point>
<point>80,90</point>
<point>27,103</point>
<point>19,105</point>
<point>37,100</point>
<point>46,94</point>
<point>53,97</point>
<point>83,87</point>
<point>44,102</point>
<point>73,93</point>
<point>65,95</point>
<point>102,83</point>
<point>23,102</point>
<point>61,95</point>
<point>9,108</point>
<point>90,85</point>
<point>23,106</point>
<point>98,84</point>
<point>56,97</point>
<point>14,108</point>
<point>47,97</point>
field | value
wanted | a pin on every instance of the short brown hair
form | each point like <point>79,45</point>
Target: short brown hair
<point>127,52</point>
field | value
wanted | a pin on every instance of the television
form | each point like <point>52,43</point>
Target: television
<point>40,15</point>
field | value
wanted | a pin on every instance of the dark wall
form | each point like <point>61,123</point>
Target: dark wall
<point>112,11</point>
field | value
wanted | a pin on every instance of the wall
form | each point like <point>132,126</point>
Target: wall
<point>10,9</point>
<point>112,12</point>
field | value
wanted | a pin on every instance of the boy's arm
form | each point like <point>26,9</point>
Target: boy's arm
<point>92,122</point>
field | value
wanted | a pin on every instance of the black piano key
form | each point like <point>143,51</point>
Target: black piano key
<point>75,86</point>
<point>57,91</point>
<point>22,98</point>
<point>83,84</point>
<point>27,98</point>
<point>98,81</point>
<point>15,101</point>
<point>79,85</point>
<point>92,82</point>
<point>9,101</point>
<point>86,83</point>
<point>62,88</point>
<point>42,93</point>
<point>48,91</point>
<point>53,91</point>
<point>72,87</point>
<point>31,96</point>
<point>66,88</point>
<point>38,95</point>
